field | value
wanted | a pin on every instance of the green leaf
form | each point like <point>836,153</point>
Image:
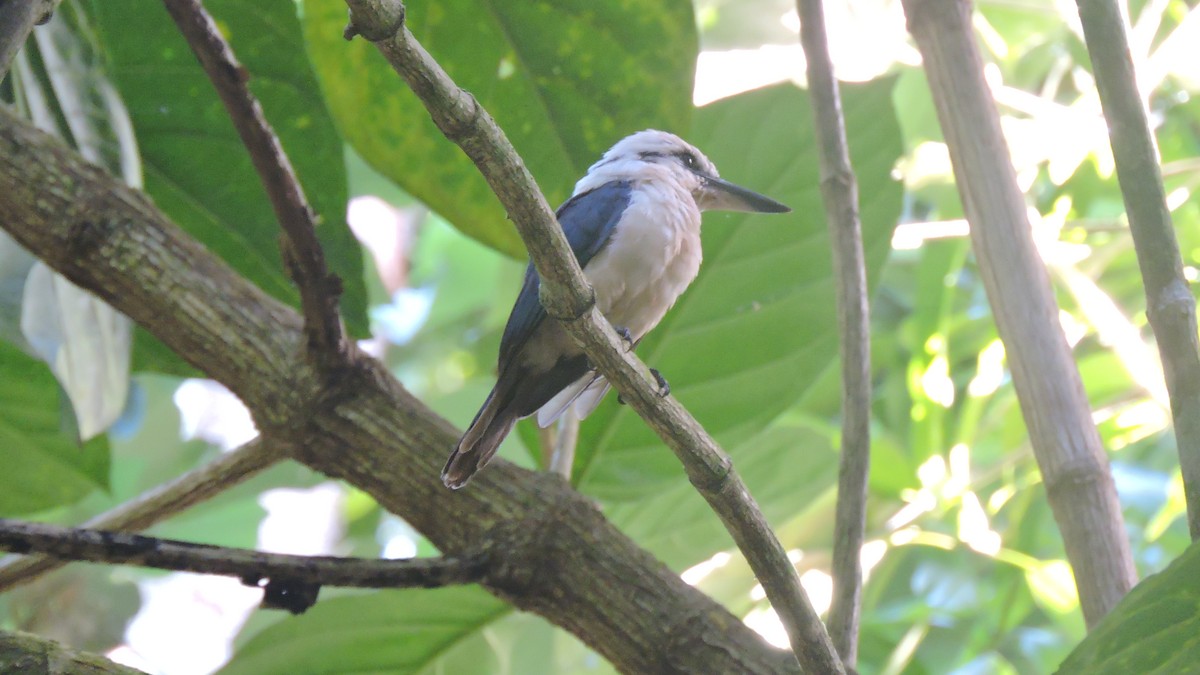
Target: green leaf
<point>678,526</point>
<point>565,80</point>
<point>404,631</point>
<point>758,326</point>
<point>44,466</point>
<point>196,168</point>
<point>1155,630</point>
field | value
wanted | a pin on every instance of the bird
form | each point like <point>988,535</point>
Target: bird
<point>633,223</point>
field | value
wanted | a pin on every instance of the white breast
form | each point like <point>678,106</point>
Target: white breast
<point>653,255</point>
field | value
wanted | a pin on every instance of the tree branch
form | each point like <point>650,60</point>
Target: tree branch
<point>291,575</point>
<point>157,504</point>
<point>1079,486</point>
<point>556,555</point>
<point>25,653</point>
<point>567,297</point>
<point>1170,306</point>
<point>839,192</point>
<point>302,252</point>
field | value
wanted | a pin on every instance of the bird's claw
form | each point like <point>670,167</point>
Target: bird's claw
<point>664,388</point>
<point>626,336</point>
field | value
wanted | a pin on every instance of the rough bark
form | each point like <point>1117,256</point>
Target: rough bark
<point>558,556</point>
<point>25,653</point>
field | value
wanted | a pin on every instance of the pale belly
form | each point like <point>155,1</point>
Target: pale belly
<point>650,260</point>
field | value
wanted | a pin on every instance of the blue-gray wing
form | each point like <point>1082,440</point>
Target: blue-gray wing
<point>587,220</point>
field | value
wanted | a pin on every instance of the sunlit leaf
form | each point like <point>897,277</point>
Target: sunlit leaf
<point>565,80</point>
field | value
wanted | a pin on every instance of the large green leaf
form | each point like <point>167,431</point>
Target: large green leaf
<point>565,80</point>
<point>195,165</point>
<point>1154,630</point>
<point>408,631</point>
<point>44,465</point>
<point>758,327</point>
<point>787,468</point>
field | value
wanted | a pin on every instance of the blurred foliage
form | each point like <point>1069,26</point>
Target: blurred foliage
<point>966,572</point>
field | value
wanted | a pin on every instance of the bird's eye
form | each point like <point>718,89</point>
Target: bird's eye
<point>689,160</point>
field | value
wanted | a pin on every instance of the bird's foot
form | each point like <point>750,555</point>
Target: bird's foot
<point>664,388</point>
<point>626,336</point>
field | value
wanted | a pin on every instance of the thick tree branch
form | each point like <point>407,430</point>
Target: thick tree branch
<point>157,504</point>
<point>1170,306</point>
<point>556,555</point>
<point>25,653</point>
<point>302,252</point>
<point>296,573</point>
<point>1065,442</point>
<point>839,192</point>
<point>17,19</point>
<point>567,297</point>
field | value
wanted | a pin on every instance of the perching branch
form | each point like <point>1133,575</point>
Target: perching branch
<point>556,555</point>
<point>294,579</point>
<point>568,298</point>
<point>25,653</point>
<point>1065,442</point>
<point>302,253</point>
<point>17,19</point>
<point>1170,306</point>
<point>157,504</point>
<point>839,192</point>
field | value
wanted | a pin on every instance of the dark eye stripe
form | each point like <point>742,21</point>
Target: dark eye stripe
<point>689,160</point>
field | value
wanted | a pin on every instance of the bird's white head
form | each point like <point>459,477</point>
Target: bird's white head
<point>657,156</point>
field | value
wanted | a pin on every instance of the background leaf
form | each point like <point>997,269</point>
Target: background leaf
<point>405,631</point>
<point>565,80</point>
<point>758,326</point>
<point>44,466</point>
<point>196,168</point>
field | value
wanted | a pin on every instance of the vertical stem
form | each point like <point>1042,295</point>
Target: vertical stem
<point>1170,306</point>
<point>839,191</point>
<point>1074,467</point>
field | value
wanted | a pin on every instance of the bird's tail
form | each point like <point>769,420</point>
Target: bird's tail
<point>492,424</point>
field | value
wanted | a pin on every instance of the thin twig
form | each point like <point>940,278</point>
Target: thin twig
<point>17,19</point>
<point>303,255</point>
<point>1170,306</point>
<point>157,504</point>
<point>122,548</point>
<point>1079,485</point>
<point>839,192</point>
<point>567,297</point>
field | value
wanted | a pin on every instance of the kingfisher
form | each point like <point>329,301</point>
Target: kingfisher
<point>633,223</point>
